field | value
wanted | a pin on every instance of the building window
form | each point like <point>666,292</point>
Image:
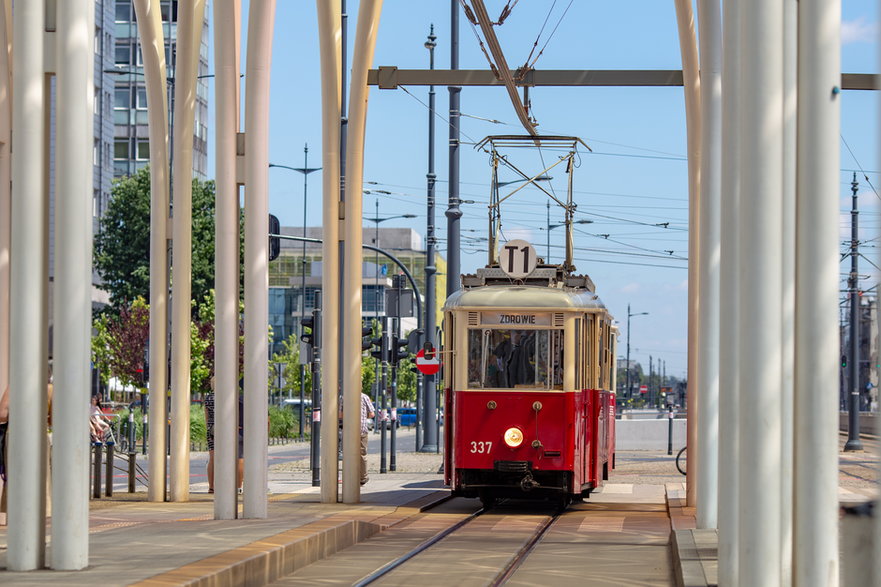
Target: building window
<point>143,149</point>
<point>120,149</point>
<point>123,11</point>
<point>96,149</point>
<point>123,54</point>
<point>121,98</point>
<point>141,103</point>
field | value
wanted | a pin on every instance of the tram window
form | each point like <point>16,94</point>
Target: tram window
<point>506,359</point>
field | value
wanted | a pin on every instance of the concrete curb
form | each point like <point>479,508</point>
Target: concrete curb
<point>694,551</point>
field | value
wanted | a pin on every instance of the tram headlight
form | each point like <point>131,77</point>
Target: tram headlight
<point>513,437</point>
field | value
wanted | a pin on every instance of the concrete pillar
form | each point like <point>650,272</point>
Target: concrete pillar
<point>816,295</point>
<point>365,42</point>
<point>189,37</point>
<point>227,20</point>
<point>790,82</point>
<point>691,80</point>
<point>28,290</point>
<point>72,313</point>
<point>760,356</point>
<point>729,287</point>
<point>261,17</point>
<point>329,37</point>
<point>153,52</point>
<point>710,19</point>
<point>5,185</point>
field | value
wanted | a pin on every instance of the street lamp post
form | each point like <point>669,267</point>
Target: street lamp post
<point>305,170</point>
<point>629,393</point>
<point>426,397</point>
<point>376,220</point>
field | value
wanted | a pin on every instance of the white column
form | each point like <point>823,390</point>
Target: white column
<point>691,80</point>
<point>329,38</point>
<point>729,287</point>
<point>761,152</point>
<point>75,93</point>
<point>365,42</point>
<point>227,19</point>
<point>27,320</point>
<point>5,188</point>
<point>790,82</point>
<point>153,52</point>
<point>710,20</point>
<point>816,309</point>
<point>261,17</point>
<point>189,36</point>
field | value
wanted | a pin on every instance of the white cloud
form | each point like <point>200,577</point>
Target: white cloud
<point>630,288</point>
<point>858,31</point>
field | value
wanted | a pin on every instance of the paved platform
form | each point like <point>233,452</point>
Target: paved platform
<point>134,542</point>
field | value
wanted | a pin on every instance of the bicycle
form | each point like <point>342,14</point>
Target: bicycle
<point>681,458</point>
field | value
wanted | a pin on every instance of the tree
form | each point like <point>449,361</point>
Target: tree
<point>122,245</point>
<point>119,346</point>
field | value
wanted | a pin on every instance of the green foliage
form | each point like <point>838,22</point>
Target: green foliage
<point>122,245</point>
<point>282,422</point>
<point>119,346</point>
<point>198,429</point>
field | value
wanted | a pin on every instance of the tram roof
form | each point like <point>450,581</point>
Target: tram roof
<point>524,296</point>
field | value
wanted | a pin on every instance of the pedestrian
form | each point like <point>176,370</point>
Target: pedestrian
<point>98,422</point>
<point>367,412</point>
<point>4,421</point>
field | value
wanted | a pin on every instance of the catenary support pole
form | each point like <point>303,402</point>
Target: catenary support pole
<point>453,213</point>
<point>329,31</point>
<point>853,393</point>
<point>27,320</point>
<point>761,152</point>
<point>153,53</point>
<point>707,474</point>
<point>189,37</point>
<point>691,80</point>
<point>429,382</point>
<point>790,122</point>
<point>227,20</point>
<point>73,276</point>
<point>816,311</point>
<point>729,287</point>
<point>261,17</point>
<point>362,56</point>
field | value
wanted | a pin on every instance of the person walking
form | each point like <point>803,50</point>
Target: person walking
<point>367,412</point>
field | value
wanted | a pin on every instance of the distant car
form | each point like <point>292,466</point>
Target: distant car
<point>406,416</point>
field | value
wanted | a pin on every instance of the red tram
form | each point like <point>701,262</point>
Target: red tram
<point>530,376</point>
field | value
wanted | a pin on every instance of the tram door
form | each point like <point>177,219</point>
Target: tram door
<point>587,385</point>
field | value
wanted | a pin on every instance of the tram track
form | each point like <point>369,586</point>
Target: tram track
<point>434,546</point>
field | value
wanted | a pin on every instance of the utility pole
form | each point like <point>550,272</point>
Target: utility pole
<point>853,429</point>
<point>651,373</point>
<point>628,393</point>
<point>428,381</point>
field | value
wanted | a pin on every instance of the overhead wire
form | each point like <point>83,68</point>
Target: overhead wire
<point>866,177</point>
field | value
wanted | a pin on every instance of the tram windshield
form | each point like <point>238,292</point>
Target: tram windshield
<point>507,359</point>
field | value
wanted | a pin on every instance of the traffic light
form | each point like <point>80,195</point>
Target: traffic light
<point>274,241</point>
<point>366,341</point>
<point>380,351</point>
<point>399,349</point>
<point>844,361</point>
<point>308,337</point>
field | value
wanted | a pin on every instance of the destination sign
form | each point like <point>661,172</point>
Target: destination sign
<point>516,318</point>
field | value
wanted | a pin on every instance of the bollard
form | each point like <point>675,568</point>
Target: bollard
<point>670,430</point>
<point>131,471</point>
<point>96,482</point>
<point>108,474</point>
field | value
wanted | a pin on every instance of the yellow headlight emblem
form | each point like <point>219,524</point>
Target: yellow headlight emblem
<point>513,437</point>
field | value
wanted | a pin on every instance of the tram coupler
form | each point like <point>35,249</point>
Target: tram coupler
<point>527,484</point>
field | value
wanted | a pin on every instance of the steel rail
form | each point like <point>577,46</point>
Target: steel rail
<point>524,551</point>
<point>394,564</point>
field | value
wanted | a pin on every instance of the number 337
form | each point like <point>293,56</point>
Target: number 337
<point>481,447</point>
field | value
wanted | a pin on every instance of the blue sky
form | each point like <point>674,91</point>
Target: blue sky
<point>635,179</point>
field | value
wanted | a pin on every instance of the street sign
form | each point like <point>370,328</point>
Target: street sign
<point>517,258</point>
<point>427,365</point>
<point>643,389</point>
